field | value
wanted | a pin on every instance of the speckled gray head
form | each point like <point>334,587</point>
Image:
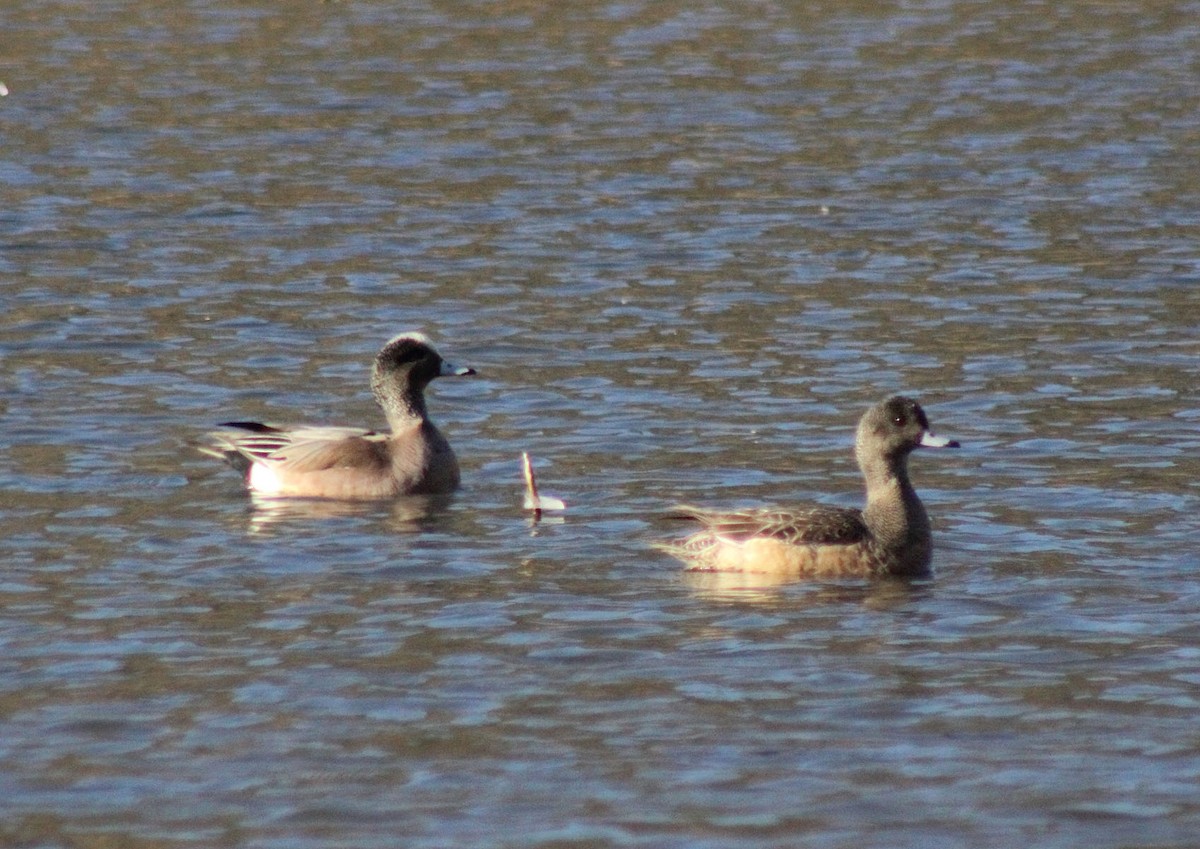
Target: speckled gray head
<point>412,355</point>
<point>896,426</point>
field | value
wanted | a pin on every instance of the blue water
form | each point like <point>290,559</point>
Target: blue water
<point>685,247</point>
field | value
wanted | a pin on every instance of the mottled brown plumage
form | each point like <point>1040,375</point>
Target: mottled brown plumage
<point>889,536</point>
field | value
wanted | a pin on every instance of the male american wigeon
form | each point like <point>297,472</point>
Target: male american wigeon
<point>889,536</point>
<point>353,463</point>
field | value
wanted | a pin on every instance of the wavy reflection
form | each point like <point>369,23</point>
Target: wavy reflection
<point>759,587</point>
<point>402,515</point>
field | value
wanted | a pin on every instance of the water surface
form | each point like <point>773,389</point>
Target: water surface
<point>685,245</point>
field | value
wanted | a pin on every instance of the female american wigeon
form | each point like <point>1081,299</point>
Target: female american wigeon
<point>353,463</point>
<point>889,536</point>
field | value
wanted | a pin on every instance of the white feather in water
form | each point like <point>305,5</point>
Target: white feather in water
<point>534,501</point>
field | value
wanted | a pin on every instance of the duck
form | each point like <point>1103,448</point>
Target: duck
<point>322,461</point>
<point>889,536</point>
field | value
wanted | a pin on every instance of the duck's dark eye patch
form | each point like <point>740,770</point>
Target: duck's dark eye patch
<point>900,420</point>
<point>407,351</point>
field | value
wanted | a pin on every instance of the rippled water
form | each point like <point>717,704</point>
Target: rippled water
<point>685,245</point>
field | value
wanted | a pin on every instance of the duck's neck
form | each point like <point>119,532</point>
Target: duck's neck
<point>894,514</point>
<point>404,408</point>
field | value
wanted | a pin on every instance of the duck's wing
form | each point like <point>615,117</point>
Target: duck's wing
<point>303,448</point>
<point>817,524</point>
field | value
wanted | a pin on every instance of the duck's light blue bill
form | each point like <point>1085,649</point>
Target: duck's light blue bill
<point>451,370</point>
<point>928,440</point>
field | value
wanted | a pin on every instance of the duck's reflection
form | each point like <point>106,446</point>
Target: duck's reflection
<point>402,515</point>
<point>767,587</point>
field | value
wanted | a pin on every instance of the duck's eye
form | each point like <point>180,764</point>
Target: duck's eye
<point>899,420</point>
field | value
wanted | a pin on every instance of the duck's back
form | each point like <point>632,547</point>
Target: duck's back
<point>817,541</point>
